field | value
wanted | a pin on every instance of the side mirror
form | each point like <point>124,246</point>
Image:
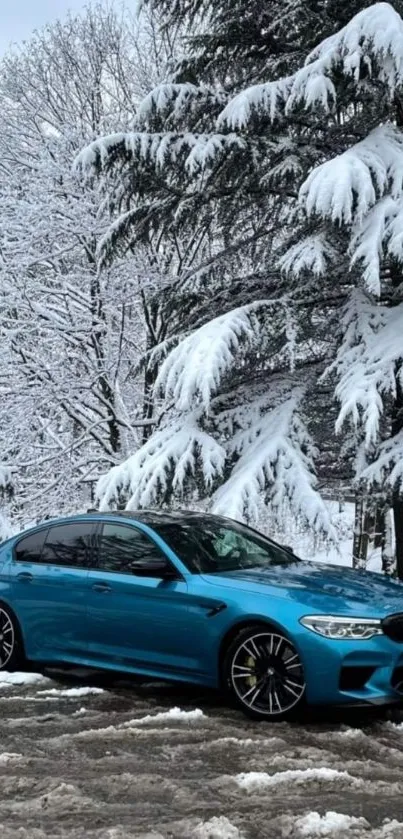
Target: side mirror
<point>154,567</point>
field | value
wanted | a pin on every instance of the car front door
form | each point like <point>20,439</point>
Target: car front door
<point>49,575</point>
<point>137,618</point>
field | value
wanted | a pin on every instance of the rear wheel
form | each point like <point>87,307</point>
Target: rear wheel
<point>11,647</point>
<point>264,673</point>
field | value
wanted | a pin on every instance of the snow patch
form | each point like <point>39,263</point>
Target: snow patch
<point>10,757</point>
<point>331,824</point>
<point>259,743</point>
<point>8,680</point>
<point>255,781</point>
<point>71,692</point>
<point>134,726</point>
<point>16,697</point>
<point>350,734</point>
<point>80,712</point>
<point>391,830</point>
<point>173,715</point>
<point>219,827</point>
<point>397,726</point>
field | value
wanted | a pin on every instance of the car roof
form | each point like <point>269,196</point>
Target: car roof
<point>152,518</point>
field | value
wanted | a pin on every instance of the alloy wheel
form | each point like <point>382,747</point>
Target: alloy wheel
<point>7,638</point>
<point>267,674</point>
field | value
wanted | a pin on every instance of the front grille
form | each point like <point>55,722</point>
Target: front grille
<point>354,678</point>
<point>393,627</point>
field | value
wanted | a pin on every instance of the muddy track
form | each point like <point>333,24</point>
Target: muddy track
<point>118,762</point>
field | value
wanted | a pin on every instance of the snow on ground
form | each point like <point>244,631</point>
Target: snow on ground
<point>7,759</point>
<point>173,715</point>
<point>313,824</point>
<point>339,826</point>
<point>255,781</point>
<point>216,828</point>
<point>72,692</point>
<point>97,757</point>
<point>8,680</point>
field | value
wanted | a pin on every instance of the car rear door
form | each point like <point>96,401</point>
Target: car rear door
<point>139,621</point>
<point>50,585</point>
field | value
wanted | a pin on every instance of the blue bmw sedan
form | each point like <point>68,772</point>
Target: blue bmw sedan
<point>203,599</point>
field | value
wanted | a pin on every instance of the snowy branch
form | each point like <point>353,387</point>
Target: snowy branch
<point>193,371</point>
<point>345,188</point>
<point>168,458</point>
<point>157,150</point>
<point>372,42</point>
<point>365,365</point>
<point>313,254</point>
<point>176,100</point>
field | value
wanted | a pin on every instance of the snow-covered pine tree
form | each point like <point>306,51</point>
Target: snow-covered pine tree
<point>352,86</point>
<point>246,365</point>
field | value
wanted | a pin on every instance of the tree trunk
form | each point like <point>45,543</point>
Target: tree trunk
<point>361,531</point>
<point>398,522</point>
<point>358,512</point>
<point>98,336</point>
<point>380,525</point>
<point>150,377</point>
<point>397,413</point>
<point>397,426</point>
<point>388,554</point>
<point>155,335</point>
<point>364,542</point>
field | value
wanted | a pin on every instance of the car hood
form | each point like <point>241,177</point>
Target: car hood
<point>325,587</point>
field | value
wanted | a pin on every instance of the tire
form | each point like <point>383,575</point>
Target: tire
<point>263,673</point>
<point>12,655</point>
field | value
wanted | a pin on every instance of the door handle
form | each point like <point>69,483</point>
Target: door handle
<point>102,588</point>
<point>25,577</point>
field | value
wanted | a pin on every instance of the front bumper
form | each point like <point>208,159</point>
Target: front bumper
<point>353,672</point>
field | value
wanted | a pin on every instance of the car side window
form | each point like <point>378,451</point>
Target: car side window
<point>68,545</point>
<point>29,549</point>
<point>122,546</point>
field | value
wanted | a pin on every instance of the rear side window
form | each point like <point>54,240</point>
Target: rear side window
<point>30,549</point>
<point>69,545</point>
<point>120,547</point>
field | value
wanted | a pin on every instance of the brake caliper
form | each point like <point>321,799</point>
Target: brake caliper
<point>252,679</point>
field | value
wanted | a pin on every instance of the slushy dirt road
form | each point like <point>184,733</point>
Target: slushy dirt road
<point>89,756</point>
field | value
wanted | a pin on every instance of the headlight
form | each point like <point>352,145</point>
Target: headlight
<point>338,628</point>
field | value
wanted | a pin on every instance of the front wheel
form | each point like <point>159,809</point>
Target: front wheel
<point>11,648</point>
<point>264,673</point>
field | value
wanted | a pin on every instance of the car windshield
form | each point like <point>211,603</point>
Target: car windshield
<point>208,546</point>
